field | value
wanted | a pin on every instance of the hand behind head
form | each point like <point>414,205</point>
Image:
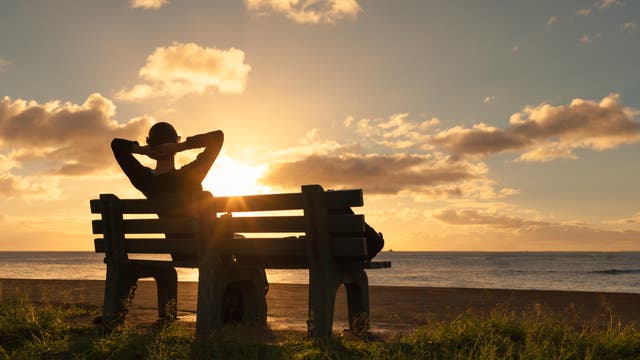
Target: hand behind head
<point>163,150</point>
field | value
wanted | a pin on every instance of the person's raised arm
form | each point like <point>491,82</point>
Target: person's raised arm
<point>212,143</point>
<point>123,151</point>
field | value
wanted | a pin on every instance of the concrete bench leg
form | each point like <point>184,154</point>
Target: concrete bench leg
<point>167,284</point>
<point>244,298</point>
<point>357,287</point>
<point>116,292</point>
<point>210,305</point>
<point>322,298</point>
<point>254,288</point>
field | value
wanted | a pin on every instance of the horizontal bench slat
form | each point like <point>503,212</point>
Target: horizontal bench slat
<point>154,246</point>
<point>287,246</point>
<point>350,247</point>
<point>149,226</point>
<point>165,263</point>
<point>341,199</point>
<point>268,202</point>
<point>136,206</point>
<point>365,265</point>
<point>344,247</point>
<point>267,224</point>
<point>275,224</point>
<point>96,207</point>
<point>256,224</point>
<point>293,264</point>
<point>346,223</point>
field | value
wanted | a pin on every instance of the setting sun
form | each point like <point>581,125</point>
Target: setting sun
<point>229,177</point>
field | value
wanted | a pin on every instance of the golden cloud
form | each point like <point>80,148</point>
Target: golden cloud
<point>183,69</point>
<point>27,187</point>
<point>476,217</point>
<point>148,4</point>
<point>397,132</point>
<point>61,138</point>
<point>307,11</point>
<point>547,132</point>
<point>533,234</point>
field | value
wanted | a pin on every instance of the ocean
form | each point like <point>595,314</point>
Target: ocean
<point>574,271</point>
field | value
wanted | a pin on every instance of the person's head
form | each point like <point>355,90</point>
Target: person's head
<point>161,133</point>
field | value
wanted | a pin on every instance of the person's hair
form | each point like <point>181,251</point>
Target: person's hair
<point>161,133</point>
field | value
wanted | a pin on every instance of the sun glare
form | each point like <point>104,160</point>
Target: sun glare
<point>229,177</point>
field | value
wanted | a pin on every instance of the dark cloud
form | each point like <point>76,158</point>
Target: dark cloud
<point>68,139</point>
<point>383,174</point>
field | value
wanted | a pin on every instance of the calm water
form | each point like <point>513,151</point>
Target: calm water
<point>586,271</point>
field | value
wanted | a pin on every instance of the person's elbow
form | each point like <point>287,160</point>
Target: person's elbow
<point>115,144</point>
<point>219,137</point>
<point>119,145</point>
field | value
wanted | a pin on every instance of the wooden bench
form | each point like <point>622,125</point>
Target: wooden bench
<point>332,247</point>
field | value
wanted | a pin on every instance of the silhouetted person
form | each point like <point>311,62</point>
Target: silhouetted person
<point>168,185</point>
<point>165,181</point>
<point>165,184</point>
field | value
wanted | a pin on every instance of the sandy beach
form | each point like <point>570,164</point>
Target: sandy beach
<point>393,309</point>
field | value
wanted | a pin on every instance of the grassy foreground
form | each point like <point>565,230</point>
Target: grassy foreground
<point>30,331</point>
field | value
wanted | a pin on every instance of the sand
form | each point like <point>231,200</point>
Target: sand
<point>393,309</point>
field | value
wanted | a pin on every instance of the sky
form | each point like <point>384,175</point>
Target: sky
<point>485,125</point>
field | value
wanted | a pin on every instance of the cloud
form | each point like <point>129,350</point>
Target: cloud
<point>600,5</point>
<point>377,173</point>
<point>584,12</point>
<point>183,69</point>
<point>630,26</point>
<point>148,4</point>
<point>4,64</point>
<point>586,39</point>
<point>605,4</point>
<point>401,155</point>
<point>546,132</point>
<point>485,218</point>
<point>27,187</point>
<point>307,11</point>
<point>554,235</point>
<point>58,138</point>
<point>635,219</point>
<point>411,172</point>
<point>489,99</point>
<point>552,20</point>
<point>396,132</point>
<point>7,163</point>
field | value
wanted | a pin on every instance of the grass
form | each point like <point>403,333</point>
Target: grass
<point>45,331</point>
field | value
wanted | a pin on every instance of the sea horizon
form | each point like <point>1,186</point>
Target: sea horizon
<point>600,271</point>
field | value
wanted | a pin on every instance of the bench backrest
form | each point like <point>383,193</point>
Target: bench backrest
<point>331,237</point>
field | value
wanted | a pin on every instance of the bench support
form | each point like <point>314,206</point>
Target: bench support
<point>121,277</point>
<point>357,287</point>
<point>226,292</point>
<point>325,275</point>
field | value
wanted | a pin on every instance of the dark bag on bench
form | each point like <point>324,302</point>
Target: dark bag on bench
<point>375,240</point>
